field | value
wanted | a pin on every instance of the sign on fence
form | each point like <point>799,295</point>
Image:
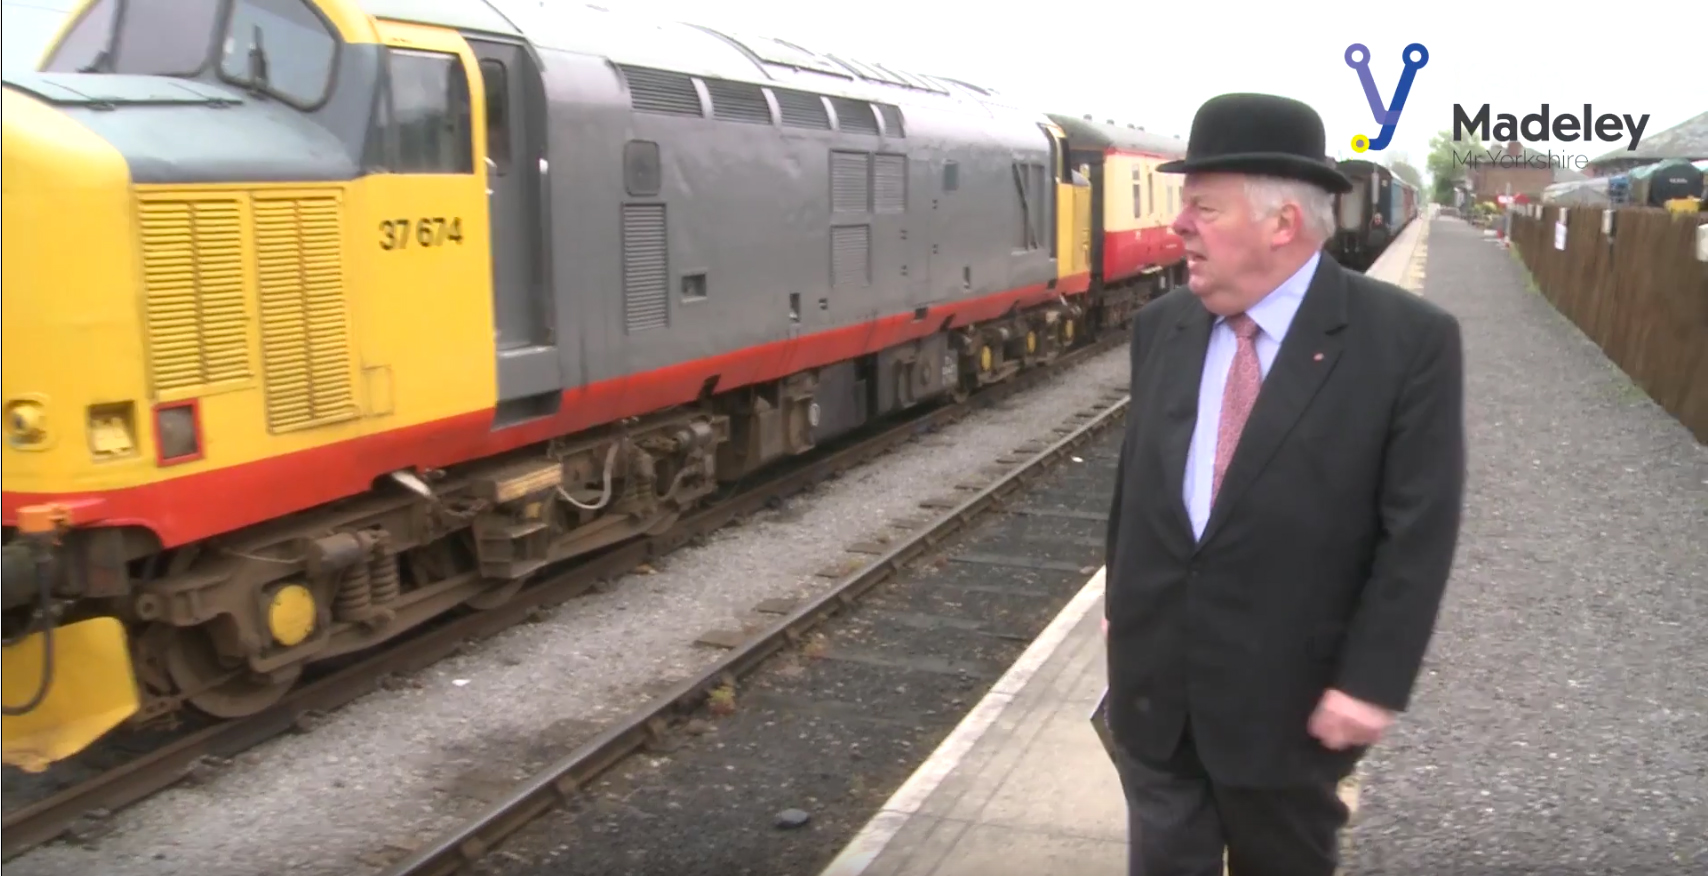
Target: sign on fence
<point>1560,234</point>
<point>1702,242</point>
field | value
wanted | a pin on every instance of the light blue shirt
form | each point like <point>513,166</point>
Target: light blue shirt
<point>1273,315</point>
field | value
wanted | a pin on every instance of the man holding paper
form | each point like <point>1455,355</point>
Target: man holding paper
<point>1286,512</point>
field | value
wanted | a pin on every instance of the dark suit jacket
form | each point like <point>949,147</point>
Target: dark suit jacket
<point>1328,547</point>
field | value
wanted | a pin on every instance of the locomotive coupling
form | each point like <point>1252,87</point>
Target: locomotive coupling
<point>18,586</point>
<point>63,686</point>
<point>30,563</point>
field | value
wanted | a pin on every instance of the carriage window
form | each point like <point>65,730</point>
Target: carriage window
<point>430,113</point>
<point>154,38</point>
<point>282,47</point>
<point>497,114</point>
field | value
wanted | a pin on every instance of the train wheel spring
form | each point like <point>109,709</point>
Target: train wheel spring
<point>355,596</point>
<point>384,584</point>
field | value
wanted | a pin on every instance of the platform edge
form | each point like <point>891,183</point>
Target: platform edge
<point>872,839</point>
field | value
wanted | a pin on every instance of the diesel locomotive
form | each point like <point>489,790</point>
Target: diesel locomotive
<point>326,317</point>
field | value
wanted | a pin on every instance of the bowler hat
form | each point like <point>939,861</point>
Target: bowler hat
<point>1260,134</point>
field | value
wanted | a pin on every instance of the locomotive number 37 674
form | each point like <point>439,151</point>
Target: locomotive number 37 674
<point>427,231</point>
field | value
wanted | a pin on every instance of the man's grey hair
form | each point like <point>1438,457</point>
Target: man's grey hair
<point>1267,195</point>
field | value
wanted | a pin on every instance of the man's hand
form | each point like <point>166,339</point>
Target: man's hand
<point>1341,721</point>
<point>1106,628</point>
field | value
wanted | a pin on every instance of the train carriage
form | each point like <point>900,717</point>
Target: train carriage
<point>328,317</point>
<point>1402,205</point>
<point>1132,206</point>
<point>1367,215</point>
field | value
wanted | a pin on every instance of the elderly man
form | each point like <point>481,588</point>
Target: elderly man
<point>1286,510</point>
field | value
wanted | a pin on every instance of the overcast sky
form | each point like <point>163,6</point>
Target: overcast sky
<point>1152,64</point>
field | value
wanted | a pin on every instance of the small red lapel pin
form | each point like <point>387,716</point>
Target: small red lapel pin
<point>1316,357</point>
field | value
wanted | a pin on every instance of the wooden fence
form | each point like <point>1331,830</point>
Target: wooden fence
<point>1640,292</point>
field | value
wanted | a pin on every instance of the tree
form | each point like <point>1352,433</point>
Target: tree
<point>1405,171</point>
<point>1446,164</point>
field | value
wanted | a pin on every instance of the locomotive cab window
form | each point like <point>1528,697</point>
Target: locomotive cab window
<point>422,123</point>
<point>281,47</point>
<point>140,37</point>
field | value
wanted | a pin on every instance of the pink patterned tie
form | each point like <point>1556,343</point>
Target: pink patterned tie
<point>1245,377</point>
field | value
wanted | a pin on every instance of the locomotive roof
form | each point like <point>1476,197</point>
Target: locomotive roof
<point>1115,137</point>
<point>681,47</point>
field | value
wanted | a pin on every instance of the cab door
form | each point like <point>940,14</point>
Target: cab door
<point>530,370</point>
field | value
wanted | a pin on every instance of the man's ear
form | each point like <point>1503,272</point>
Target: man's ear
<point>1289,224</point>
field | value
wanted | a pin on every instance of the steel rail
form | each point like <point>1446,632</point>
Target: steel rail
<point>560,781</point>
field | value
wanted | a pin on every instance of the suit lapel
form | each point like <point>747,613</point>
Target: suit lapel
<point>1182,369</point>
<point>1306,358</point>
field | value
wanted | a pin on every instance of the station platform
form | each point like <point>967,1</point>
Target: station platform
<point>1538,666</point>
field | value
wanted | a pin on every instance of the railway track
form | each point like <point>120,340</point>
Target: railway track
<point>157,768</point>
<point>562,783</point>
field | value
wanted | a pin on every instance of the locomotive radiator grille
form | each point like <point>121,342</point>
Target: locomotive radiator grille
<point>889,183</point>
<point>850,256</point>
<point>850,182</point>
<point>738,102</point>
<point>802,110</point>
<point>305,333</point>
<point>193,292</point>
<point>854,115</point>
<point>646,268</point>
<point>662,92</point>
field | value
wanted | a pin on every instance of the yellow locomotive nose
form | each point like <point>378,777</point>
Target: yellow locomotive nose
<point>69,322</point>
<point>70,319</point>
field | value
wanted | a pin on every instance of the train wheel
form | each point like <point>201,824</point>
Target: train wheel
<point>222,691</point>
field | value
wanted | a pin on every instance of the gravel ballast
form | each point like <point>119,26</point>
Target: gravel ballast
<point>400,766</point>
<point>1561,726</point>
<point>821,736</point>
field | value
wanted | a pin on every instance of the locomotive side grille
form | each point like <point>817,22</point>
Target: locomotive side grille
<point>656,91</point>
<point>850,188</point>
<point>193,301</point>
<point>802,110</point>
<point>889,184</point>
<point>854,115</point>
<point>646,267</point>
<point>305,334</point>
<point>738,102</point>
<point>893,126</point>
<point>850,256</point>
